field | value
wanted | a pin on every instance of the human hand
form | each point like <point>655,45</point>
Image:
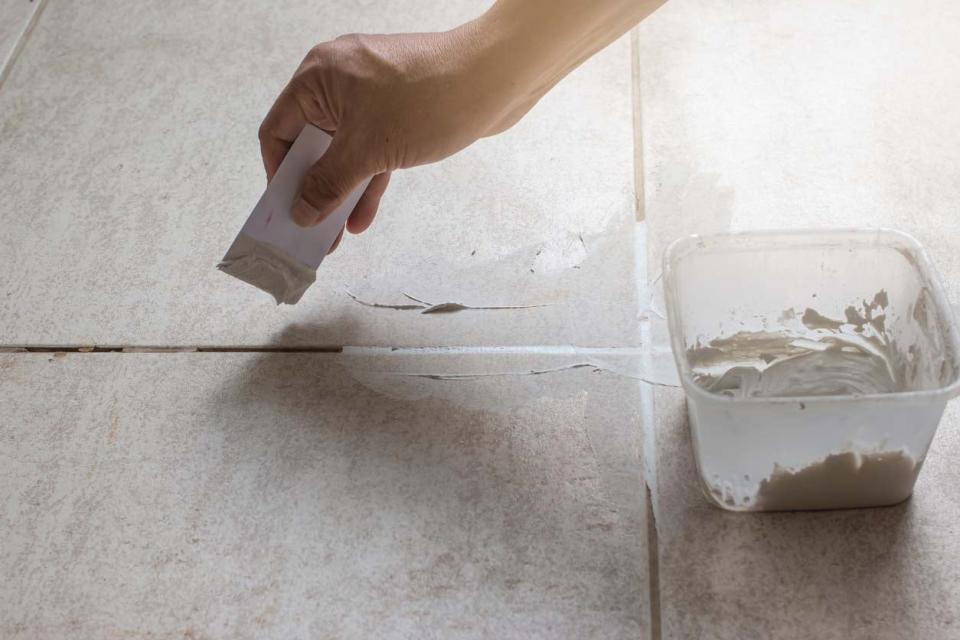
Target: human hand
<point>397,101</point>
<point>391,102</point>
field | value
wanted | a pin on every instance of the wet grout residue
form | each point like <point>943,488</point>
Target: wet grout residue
<point>809,354</point>
<point>812,354</point>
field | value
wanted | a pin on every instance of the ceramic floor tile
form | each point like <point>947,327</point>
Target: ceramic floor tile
<point>15,15</point>
<point>325,495</point>
<point>881,574</point>
<point>776,114</point>
<point>131,160</point>
<point>780,114</point>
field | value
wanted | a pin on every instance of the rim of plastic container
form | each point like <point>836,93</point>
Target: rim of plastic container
<point>681,246</point>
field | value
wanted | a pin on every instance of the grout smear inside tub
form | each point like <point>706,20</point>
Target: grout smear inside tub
<point>820,356</point>
<point>813,354</point>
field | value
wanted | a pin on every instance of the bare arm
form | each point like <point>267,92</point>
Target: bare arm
<point>397,101</point>
<point>544,40</point>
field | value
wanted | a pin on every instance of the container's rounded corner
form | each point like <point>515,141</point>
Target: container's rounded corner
<point>676,248</point>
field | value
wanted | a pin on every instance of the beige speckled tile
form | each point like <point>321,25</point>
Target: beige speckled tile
<point>777,114</point>
<point>15,15</point>
<point>326,495</point>
<point>131,160</point>
<point>782,114</point>
<point>876,573</point>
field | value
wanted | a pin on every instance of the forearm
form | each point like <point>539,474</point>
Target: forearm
<point>537,42</point>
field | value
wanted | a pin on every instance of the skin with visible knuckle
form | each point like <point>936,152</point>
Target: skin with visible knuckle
<point>318,188</point>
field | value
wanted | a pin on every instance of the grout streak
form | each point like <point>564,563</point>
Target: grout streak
<point>645,296</point>
<point>650,484</point>
<point>644,288</point>
<point>7,65</point>
<point>366,350</point>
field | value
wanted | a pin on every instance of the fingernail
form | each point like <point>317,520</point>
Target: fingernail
<point>303,214</point>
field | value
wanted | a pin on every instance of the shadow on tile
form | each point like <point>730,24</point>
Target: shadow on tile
<point>532,480</point>
<point>302,495</point>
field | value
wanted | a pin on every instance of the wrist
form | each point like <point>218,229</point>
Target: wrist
<point>483,70</point>
<point>497,57</point>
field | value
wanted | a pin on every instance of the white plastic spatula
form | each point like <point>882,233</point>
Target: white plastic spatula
<point>272,252</point>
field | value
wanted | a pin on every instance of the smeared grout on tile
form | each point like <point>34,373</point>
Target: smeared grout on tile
<point>425,307</point>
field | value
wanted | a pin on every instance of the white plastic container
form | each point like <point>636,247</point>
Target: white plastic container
<point>816,451</point>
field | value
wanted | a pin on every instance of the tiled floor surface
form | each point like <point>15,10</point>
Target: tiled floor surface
<point>304,495</point>
<point>319,495</point>
<point>455,476</point>
<point>136,139</point>
<point>790,115</point>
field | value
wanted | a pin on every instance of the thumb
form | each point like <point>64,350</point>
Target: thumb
<point>338,172</point>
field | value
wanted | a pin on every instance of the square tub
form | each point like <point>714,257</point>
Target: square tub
<point>816,364</point>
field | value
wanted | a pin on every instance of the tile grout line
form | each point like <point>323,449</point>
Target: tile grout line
<point>642,279</point>
<point>73,348</point>
<point>653,568</point>
<point>459,350</point>
<point>649,461</point>
<point>7,65</point>
<point>638,181</point>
